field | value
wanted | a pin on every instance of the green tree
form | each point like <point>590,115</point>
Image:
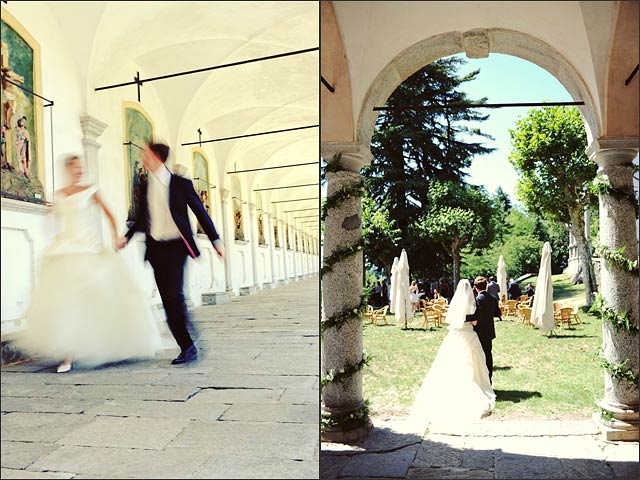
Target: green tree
<point>548,152</point>
<point>413,145</point>
<point>380,235</point>
<point>459,218</point>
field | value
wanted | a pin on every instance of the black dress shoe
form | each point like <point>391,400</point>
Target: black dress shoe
<point>188,355</point>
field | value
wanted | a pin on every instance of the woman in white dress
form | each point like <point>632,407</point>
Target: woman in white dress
<point>457,390</point>
<point>86,307</point>
<point>414,297</point>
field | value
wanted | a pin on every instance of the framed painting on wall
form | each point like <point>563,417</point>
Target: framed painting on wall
<point>237,209</point>
<point>201,181</point>
<point>22,147</point>
<point>276,237</point>
<point>138,130</point>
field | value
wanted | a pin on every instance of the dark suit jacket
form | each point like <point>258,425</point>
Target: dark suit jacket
<point>486,308</point>
<point>181,195</point>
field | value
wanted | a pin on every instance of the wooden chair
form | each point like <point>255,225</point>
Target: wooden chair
<point>523,298</point>
<point>565,316</point>
<point>433,316</point>
<point>525,316</point>
<point>380,314</point>
<point>575,314</point>
<point>510,308</point>
<point>368,313</point>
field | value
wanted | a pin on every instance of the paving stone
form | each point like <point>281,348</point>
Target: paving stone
<point>299,396</point>
<point>283,413</point>
<point>237,395</point>
<point>40,427</point>
<point>438,454</point>
<point>132,432</point>
<point>288,441</point>
<point>142,408</point>
<point>104,392</point>
<point>448,473</point>
<point>391,464</point>
<point>332,465</point>
<point>22,454</point>
<point>230,466</point>
<point>478,459</point>
<point>123,462</point>
<point>626,470</point>
<point>512,466</point>
<point>10,473</point>
<point>383,436</point>
<point>586,468</point>
<point>45,405</point>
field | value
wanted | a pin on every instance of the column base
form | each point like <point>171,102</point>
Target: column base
<point>622,426</point>
<point>244,291</point>
<point>351,433</point>
<point>215,298</point>
<point>268,285</point>
<point>282,281</point>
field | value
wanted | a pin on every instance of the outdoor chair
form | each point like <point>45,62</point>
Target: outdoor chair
<point>525,316</point>
<point>433,316</point>
<point>565,316</point>
<point>380,314</point>
<point>368,312</point>
<point>575,315</point>
<point>510,307</point>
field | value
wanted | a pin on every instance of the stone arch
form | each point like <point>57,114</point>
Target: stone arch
<point>476,43</point>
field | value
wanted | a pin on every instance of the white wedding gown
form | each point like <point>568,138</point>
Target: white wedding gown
<point>86,305</point>
<point>457,391</point>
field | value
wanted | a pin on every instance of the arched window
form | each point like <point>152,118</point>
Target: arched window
<point>236,193</point>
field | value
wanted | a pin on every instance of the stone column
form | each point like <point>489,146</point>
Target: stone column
<point>283,243</point>
<point>272,241</point>
<point>292,237</point>
<point>225,195</point>
<point>92,128</point>
<point>619,288</point>
<point>253,235</point>
<point>341,290</point>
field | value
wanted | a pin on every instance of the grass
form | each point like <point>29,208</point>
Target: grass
<point>534,376</point>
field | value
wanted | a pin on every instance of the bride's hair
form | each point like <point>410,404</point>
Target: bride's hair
<point>70,157</point>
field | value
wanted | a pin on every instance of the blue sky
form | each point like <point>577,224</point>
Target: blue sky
<point>505,79</point>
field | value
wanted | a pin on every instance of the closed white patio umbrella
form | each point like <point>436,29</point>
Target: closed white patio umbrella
<point>402,306</point>
<point>392,287</point>
<point>501,275</point>
<point>542,309</point>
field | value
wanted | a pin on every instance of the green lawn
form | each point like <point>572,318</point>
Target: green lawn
<point>534,376</point>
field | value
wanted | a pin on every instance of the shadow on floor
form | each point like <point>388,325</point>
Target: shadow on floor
<point>515,396</point>
<point>387,454</point>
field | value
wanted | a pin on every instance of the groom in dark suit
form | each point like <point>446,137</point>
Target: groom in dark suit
<point>486,309</point>
<point>162,215</point>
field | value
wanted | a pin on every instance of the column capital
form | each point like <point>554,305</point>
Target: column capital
<point>354,155</point>
<point>613,151</point>
<point>92,128</point>
<point>224,193</point>
<point>252,208</point>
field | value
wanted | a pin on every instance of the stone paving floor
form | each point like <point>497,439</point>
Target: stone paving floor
<point>486,450</point>
<point>249,408</point>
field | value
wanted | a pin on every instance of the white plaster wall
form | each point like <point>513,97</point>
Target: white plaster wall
<point>388,28</point>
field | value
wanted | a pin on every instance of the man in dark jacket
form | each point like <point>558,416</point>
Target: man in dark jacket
<point>163,217</point>
<point>486,309</point>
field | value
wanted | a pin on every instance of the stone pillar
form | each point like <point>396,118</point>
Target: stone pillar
<point>619,288</point>
<point>272,256</point>
<point>253,236</point>
<point>91,130</point>
<point>283,243</point>
<point>341,290</point>
<point>225,195</point>
<point>292,237</point>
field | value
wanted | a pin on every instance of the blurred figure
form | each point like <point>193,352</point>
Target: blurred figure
<point>86,306</point>
<point>529,291</point>
<point>414,297</point>
<point>514,291</point>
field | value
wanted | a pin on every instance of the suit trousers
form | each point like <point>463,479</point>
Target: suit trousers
<point>168,260</point>
<point>486,347</point>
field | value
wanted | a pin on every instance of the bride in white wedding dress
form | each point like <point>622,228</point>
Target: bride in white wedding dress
<point>86,307</point>
<point>457,390</point>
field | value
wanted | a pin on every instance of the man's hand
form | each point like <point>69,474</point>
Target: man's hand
<point>219,248</point>
<point>120,243</point>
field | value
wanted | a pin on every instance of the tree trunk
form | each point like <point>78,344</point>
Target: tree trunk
<point>457,260</point>
<point>584,251</point>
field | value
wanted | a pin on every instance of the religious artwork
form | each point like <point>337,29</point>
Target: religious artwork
<point>286,234</point>
<point>276,237</point>
<point>201,181</point>
<point>237,209</point>
<point>21,151</point>
<point>138,130</point>
<point>260,218</point>
<point>296,246</point>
